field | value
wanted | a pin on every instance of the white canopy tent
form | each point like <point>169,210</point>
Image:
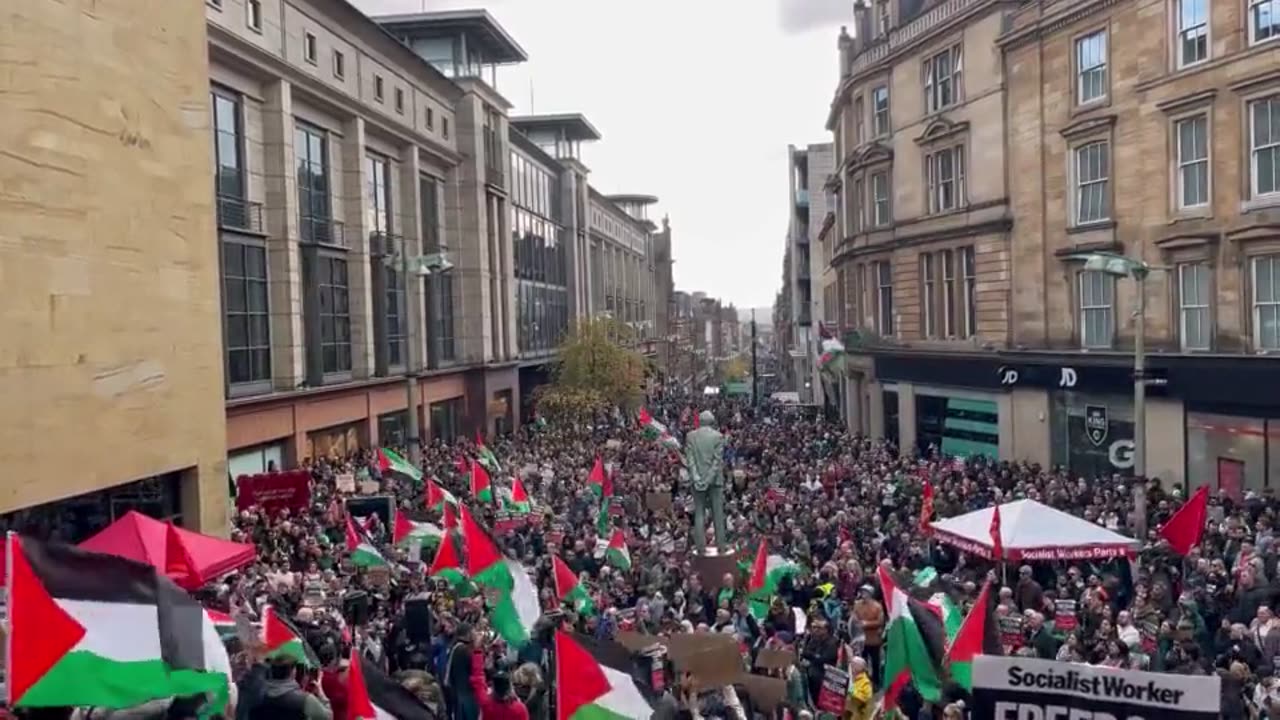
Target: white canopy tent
<point>1032,531</point>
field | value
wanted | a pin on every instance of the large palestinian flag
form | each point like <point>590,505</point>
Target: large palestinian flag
<point>657,432</point>
<point>617,554</point>
<point>914,644</point>
<point>481,485</point>
<point>406,531</point>
<point>447,565</point>
<point>569,588</point>
<point>363,553</point>
<point>282,640</point>
<point>513,598</point>
<point>372,695</point>
<point>600,482</point>
<point>438,497</point>
<point>767,574</point>
<point>593,681</point>
<point>978,635</point>
<point>85,629</point>
<point>520,502</point>
<point>390,461</point>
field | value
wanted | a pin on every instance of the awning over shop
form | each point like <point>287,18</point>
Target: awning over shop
<point>1032,531</point>
<point>188,558</point>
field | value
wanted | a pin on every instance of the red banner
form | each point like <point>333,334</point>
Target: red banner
<point>274,491</point>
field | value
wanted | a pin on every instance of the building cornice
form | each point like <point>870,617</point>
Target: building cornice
<point>908,37</point>
<point>1062,14</point>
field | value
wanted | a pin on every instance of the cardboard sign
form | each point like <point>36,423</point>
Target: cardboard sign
<point>659,501</point>
<point>636,641</point>
<point>274,491</point>
<point>1011,632</point>
<point>712,658</point>
<point>767,693</point>
<point>1064,615</point>
<point>379,576</point>
<point>346,482</point>
<point>369,487</point>
<point>835,686</point>
<point>770,659</point>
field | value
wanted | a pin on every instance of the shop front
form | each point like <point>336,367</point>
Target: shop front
<point>949,404</point>
<point>77,518</point>
<point>1092,434</point>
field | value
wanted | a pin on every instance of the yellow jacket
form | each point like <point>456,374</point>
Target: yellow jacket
<point>861,703</point>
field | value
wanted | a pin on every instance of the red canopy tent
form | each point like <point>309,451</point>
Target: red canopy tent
<point>188,558</point>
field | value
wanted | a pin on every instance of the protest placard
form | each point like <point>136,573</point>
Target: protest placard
<point>712,658</point>
<point>766,693</point>
<point>346,482</point>
<point>274,491</point>
<point>835,686</point>
<point>771,659</point>
<point>659,501</point>
<point>369,487</point>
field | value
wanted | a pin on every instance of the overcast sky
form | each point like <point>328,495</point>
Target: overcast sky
<point>696,101</point>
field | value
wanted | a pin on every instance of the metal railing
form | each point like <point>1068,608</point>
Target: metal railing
<point>322,231</point>
<point>239,214</point>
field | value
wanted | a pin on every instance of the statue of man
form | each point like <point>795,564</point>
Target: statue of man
<point>704,458</point>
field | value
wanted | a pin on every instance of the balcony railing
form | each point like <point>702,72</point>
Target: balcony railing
<point>239,214</point>
<point>322,231</point>
<point>905,34</point>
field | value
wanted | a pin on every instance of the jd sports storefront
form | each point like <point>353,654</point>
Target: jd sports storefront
<point>928,404</point>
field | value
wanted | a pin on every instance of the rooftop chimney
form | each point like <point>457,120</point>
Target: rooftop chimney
<point>846,50</point>
<point>861,23</point>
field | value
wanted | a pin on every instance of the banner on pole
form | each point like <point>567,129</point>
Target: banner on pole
<point>1015,688</point>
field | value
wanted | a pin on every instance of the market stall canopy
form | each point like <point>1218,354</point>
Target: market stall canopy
<point>188,558</point>
<point>1032,531</point>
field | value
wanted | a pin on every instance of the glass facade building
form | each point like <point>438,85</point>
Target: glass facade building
<point>541,261</point>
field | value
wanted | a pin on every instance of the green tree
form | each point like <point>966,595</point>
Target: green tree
<point>595,370</point>
<point>736,369</point>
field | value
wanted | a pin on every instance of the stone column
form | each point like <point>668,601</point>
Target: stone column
<point>350,192</point>
<point>906,418</point>
<point>875,410</point>
<point>410,228</point>
<point>284,261</point>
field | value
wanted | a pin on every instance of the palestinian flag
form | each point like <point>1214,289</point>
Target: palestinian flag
<point>599,481</point>
<point>942,604</point>
<point>390,461</point>
<point>514,599</point>
<point>657,432</point>
<point>569,588</point>
<point>450,519</point>
<point>617,555</point>
<point>407,531</point>
<point>487,458</point>
<point>913,647</point>
<point>222,622</point>
<point>520,502</point>
<point>593,681</point>
<point>282,640</point>
<point>481,485</point>
<point>767,574</point>
<point>373,695</point>
<point>447,565</point>
<point>438,498</point>
<point>363,553</point>
<point>603,520</point>
<point>103,631</point>
<point>979,635</point>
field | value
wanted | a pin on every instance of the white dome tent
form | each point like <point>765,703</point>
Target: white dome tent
<point>1031,531</point>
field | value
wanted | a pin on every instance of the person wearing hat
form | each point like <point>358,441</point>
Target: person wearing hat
<point>869,614</point>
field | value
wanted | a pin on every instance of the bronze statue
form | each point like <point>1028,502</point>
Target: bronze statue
<point>704,458</point>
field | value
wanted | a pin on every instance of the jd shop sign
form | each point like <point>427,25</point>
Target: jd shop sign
<point>1095,423</point>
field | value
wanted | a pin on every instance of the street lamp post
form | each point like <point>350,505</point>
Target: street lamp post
<point>415,266</point>
<point>1122,266</point>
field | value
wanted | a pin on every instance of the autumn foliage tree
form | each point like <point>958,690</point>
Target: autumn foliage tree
<point>594,371</point>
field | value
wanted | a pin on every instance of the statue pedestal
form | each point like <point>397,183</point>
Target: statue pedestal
<point>713,568</point>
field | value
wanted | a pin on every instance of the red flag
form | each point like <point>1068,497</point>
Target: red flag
<point>997,545</point>
<point>697,419</point>
<point>926,507</point>
<point>1186,527</point>
<point>450,520</point>
<point>359,706</point>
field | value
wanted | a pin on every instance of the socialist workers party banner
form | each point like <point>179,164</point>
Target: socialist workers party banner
<point>1015,688</point>
<point>274,491</point>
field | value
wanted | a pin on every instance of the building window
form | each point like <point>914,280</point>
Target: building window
<point>335,315</point>
<point>1091,67</point>
<point>215,4</point>
<point>880,198</point>
<point>229,178</point>
<point>1264,20</point>
<point>1264,145</point>
<point>253,15</point>
<point>1193,161</point>
<point>444,127</point>
<point>339,65</point>
<point>399,101</point>
<point>969,266</point>
<point>1097,293</point>
<point>431,119</point>
<point>1193,31</point>
<point>1193,306</point>
<point>859,205</point>
<point>859,121</point>
<point>944,172</point>
<point>948,294</point>
<point>880,111</point>
<point>386,275</point>
<point>884,298</point>
<point>929,297</point>
<point>1266,302</point>
<point>379,88</point>
<point>1091,175</point>
<point>309,51</point>
<point>311,151</point>
<point>942,80</point>
<point>244,298</point>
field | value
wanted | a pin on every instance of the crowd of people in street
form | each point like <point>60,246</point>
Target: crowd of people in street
<point>838,505</point>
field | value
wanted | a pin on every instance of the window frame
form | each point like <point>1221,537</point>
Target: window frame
<point>948,293</point>
<point>339,61</point>
<point>969,288</point>
<point>1252,28</point>
<point>253,15</point>
<point>933,82</point>
<point>255,383</point>
<point>877,219</point>
<point>1273,100</point>
<point>859,121</point>
<point>379,88</point>
<point>1203,272</point>
<point>310,47</point>
<point>883,270</point>
<point>1107,310</point>
<point>397,95</point>
<point>1256,306</point>
<point>880,119</point>
<point>1103,66</point>
<point>928,297</point>
<point>1204,30</point>
<point>1077,183</point>
<point>934,183</point>
<point>306,210</point>
<point>216,93</point>
<point>1181,165</point>
<point>332,290</point>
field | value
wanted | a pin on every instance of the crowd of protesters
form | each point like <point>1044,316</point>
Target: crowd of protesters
<point>837,504</point>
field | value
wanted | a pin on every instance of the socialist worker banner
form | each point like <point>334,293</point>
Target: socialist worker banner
<point>1015,688</point>
<point>272,491</point>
